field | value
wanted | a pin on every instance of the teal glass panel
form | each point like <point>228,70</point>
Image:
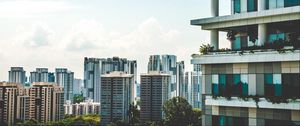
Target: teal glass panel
<point>290,3</point>
<point>237,43</point>
<point>236,79</point>
<point>237,6</point>
<point>268,78</point>
<point>272,37</point>
<point>245,89</point>
<point>215,90</point>
<point>280,36</point>
<point>251,5</point>
<point>230,121</point>
<point>222,121</point>
<point>278,89</point>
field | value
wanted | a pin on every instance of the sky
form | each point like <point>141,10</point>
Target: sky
<point>60,33</point>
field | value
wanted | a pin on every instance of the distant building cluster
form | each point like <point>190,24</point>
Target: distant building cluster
<point>109,88</point>
<point>42,101</point>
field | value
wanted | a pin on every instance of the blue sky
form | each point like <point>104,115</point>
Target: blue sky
<point>60,33</point>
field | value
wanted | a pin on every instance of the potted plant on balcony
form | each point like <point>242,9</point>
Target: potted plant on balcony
<point>204,49</point>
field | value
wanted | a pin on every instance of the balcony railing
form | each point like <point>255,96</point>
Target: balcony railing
<point>292,104</point>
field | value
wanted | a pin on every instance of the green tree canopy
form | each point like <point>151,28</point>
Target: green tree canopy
<point>178,112</point>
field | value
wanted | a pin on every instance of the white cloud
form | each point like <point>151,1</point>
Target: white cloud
<point>89,38</point>
<point>41,35</point>
<point>28,8</point>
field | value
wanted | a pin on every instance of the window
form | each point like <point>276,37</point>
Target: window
<point>272,4</point>
<point>236,6</point>
<point>240,42</point>
<point>273,85</point>
<point>230,84</point>
<point>290,3</point>
<point>251,5</point>
<point>274,37</point>
<point>291,85</point>
<point>229,121</point>
<point>215,85</point>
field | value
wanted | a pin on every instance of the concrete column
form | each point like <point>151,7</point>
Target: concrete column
<point>214,34</point>
<point>261,5</point>
<point>214,39</point>
<point>214,8</point>
<point>262,34</point>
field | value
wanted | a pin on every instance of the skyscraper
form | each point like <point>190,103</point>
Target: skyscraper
<point>261,73</point>
<point>180,87</point>
<point>40,75</point>
<point>116,96</point>
<point>17,75</point>
<point>193,85</point>
<point>154,63</point>
<point>65,79</point>
<point>154,93</point>
<point>95,67</point>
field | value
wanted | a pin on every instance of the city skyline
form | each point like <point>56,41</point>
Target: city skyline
<point>39,32</point>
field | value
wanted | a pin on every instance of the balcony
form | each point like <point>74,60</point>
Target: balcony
<point>251,103</point>
<point>250,18</point>
<point>248,56</point>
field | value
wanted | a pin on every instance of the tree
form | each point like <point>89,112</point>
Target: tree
<point>178,112</point>
<point>78,98</point>
<point>196,117</point>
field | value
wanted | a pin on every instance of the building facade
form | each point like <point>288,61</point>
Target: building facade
<point>257,81</point>
<point>42,102</point>
<point>17,75</point>
<point>154,93</point>
<point>78,87</point>
<point>116,94</point>
<point>65,79</point>
<point>95,67</point>
<point>168,64</point>
<point>82,108</point>
<point>40,75</point>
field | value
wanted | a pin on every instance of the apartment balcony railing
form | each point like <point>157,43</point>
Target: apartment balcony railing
<point>252,103</point>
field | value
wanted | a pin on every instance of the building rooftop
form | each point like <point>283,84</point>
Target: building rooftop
<point>117,74</point>
<point>155,73</point>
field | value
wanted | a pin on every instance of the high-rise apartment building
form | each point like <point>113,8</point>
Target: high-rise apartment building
<point>17,75</point>
<point>82,108</point>
<point>154,93</point>
<point>51,77</point>
<point>40,75</point>
<point>95,67</point>
<point>10,110</point>
<point>193,87</point>
<point>261,73</point>
<point>168,64</point>
<point>65,79</point>
<point>46,102</point>
<point>42,102</point>
<point>116,96</point>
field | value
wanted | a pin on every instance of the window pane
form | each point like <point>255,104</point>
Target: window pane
<point>244,79</point>
<point>280,3</point>
<point>222,84</point>
<point>237,6</point>
<point>289,3</point>
<point>237,43</point>
<point>252,5</point>
<point>272,4</point>
<point>215,86</point>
